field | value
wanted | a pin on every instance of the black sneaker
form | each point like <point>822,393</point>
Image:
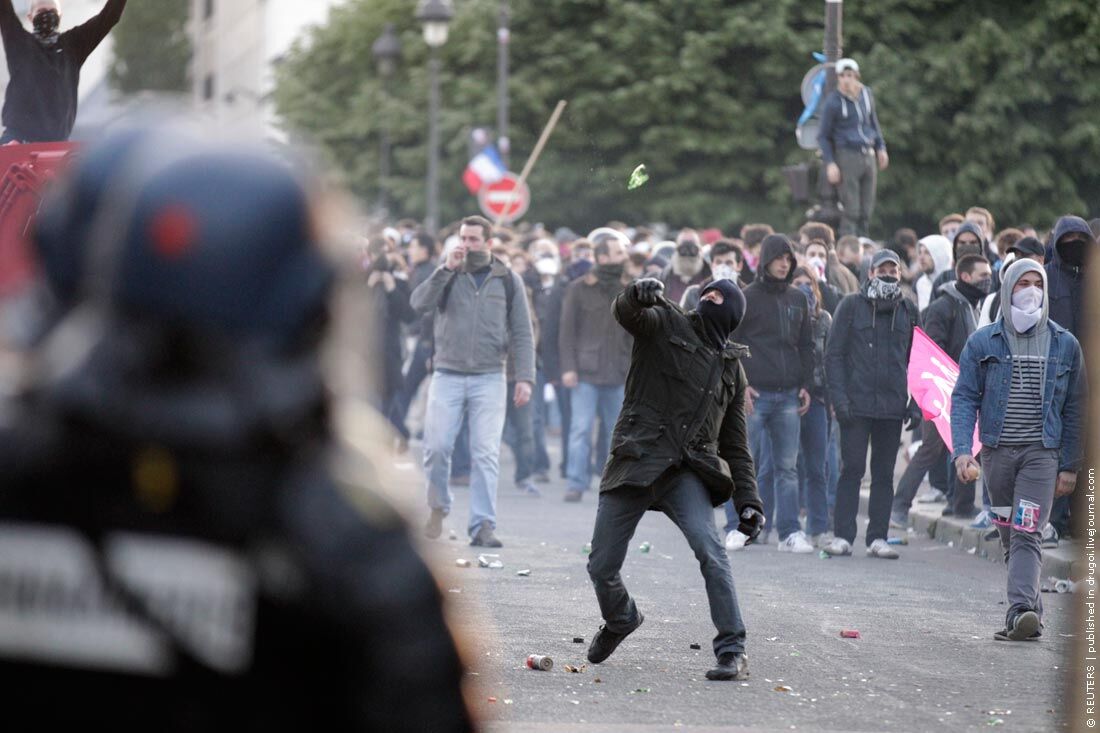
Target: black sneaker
<point>434,527</point>
<point>484,536</point>
<point>606,641</point>
<point>731,666</point>
<point>1024,627</point>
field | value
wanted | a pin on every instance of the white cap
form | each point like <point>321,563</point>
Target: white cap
<point>846,64</point>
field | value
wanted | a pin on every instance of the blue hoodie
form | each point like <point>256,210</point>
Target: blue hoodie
<point>850,124</point>
<point>1066,280</point>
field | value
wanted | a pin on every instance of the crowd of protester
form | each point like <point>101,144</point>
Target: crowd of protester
<point>829,326</point>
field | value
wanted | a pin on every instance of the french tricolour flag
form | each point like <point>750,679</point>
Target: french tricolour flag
<point>485,168</point>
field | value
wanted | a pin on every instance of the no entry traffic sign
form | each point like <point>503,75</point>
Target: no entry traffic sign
<point>496,196</point>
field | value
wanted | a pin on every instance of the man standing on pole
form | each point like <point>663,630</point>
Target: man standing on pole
<point>41,100</point>
<point>680,446</point>
<point>852,146</point>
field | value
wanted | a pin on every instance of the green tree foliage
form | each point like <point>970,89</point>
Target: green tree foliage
<point>983,102</point>
<point>152,48</point>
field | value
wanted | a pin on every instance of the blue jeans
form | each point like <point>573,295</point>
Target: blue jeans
<point>539,419</point>
<point>812,467</point>
<point>450,396</point>
<point>774,430</point>
<point>684,499</point>
<point>832,464</point>
<point>587,401</point>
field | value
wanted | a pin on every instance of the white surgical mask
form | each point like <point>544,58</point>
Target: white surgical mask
<point>547,266</point>
<point>1027,308</point>
<point>818,264</point>
<point>724,272</point>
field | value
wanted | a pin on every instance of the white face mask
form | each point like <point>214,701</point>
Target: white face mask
<point>724,272</point>
<point>819,265</point>
<point>547,266</point>
<point>1027,308</point>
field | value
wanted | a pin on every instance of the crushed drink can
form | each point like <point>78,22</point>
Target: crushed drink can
<point>898,540</point>
<point>645,547</point>
<point>540,663</point>
<point>1064,586</point>
<point>462,563</point>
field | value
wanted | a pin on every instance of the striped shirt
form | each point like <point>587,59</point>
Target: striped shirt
<point>1023,422</point>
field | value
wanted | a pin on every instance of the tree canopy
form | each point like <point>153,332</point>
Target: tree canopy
<point>152,48</point>
<point>982,102</point>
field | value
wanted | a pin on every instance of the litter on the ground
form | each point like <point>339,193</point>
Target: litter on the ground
<point>783,688</point>
<point>540,662</point>
<point>645,547</point>
<point>575,670</point>
<point>639,690</point>
<point>462,562</point>
<point>824,555</point>
<point>578,639</point>
<point>523,573</point>
<point>696,646</point>
<point>849,634</point>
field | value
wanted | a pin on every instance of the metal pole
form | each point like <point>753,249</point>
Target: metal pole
<point>834,13</point>
<point>383,158</point>
<point>503,38</point>
<point>431,221</point>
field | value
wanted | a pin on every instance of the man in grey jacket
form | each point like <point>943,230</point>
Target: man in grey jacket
<point>480,314</point>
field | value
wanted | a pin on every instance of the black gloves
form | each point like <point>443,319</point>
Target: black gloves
<point>843,413</point>
<point>913,417</point>
<point>752,523</point>
<point>647,291</point>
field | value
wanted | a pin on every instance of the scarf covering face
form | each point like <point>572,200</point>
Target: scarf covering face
<point>884,288</point>
<point>45,26</point>
<point>477,260</point>
<point>719,321</point>
<point>610,276</point>
<point>1034,339</point>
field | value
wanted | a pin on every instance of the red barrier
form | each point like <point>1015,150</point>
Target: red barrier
<point>25,171</point>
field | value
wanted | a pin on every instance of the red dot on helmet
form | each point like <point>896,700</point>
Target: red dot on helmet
<point>173,232</point>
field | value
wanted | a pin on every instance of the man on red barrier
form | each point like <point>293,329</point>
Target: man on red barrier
<point>40,104</point>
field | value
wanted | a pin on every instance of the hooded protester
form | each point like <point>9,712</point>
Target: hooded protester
<point>969,240</point>
<point>1073,245</point>
<point>866,362</point>
<point>780,370</point>
<point>686,269</point>
<point>933,258</point>
<point>41,100</point>
<point>949,321</point>
<point>679,447</point>
<point>1021,380</point>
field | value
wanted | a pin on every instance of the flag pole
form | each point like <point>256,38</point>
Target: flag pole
<point>532,159</point>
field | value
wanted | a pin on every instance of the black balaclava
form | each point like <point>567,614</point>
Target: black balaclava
<point>719,321</point>
<point>976,249</point>
<point>45,24</point>
<point>973,293</point>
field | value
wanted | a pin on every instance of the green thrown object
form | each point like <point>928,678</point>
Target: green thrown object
<point>637,178</point>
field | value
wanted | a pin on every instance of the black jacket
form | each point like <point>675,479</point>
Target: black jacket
<point>41,100</point>
<point>548,305</point>
<point>1065,282</point>
<point>389,310</point>
<point>684,406</point>
<point>949,320</point>
<point>867,358</point>
<point>823,323</point>
<point>777,329</point>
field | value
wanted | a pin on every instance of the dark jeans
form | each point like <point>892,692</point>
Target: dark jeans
<point>812,467</point>
<point>680,495</point>
<point>539,421</point>
<point>418,371</point>
<point>565,406</point>
<point>932,452</point>
<point>884,437</point>
<point>519,435</point>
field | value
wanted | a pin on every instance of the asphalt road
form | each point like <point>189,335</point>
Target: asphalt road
<point>926,659</point>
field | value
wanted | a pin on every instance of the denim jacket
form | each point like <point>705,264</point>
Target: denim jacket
<point>985,378</point>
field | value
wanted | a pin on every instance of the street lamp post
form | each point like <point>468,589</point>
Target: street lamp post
<point>503,39</point>
<point>436,16</point>
<point>386,52</point>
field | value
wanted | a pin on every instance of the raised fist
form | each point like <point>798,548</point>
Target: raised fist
<point>647,291</point>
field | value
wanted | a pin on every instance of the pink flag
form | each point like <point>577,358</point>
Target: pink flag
<point>932,377</point>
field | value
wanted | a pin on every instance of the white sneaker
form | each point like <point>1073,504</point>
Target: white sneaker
<point>736,540</point>
<point>838,546</point>
<point>932,496</point>
<point>821,540</point>
<point>880,548</point>
<point>797,543</point>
